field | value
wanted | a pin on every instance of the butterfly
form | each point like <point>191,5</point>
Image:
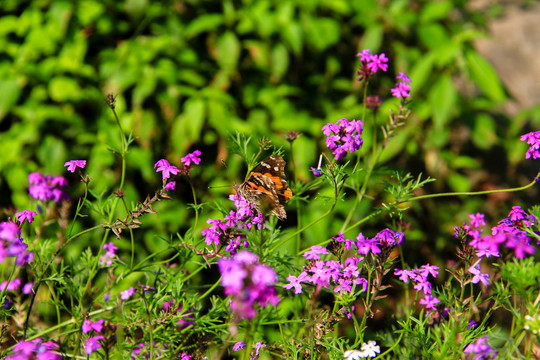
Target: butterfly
<point>266,188</point>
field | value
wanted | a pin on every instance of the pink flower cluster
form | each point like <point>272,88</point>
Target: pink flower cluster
<point>343,136</point>
<point>533,139</point>
<point>35,349</point>
<point>509,233</point>
<point>421,283</point>
<point>342,276</point>
<point>47,187</point>
<point>248,282</point>
<point>11,243</point>
<point>167,169</point>
<point>229,232</point>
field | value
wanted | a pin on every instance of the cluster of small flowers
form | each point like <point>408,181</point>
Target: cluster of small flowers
<point>343,136</point>
<point>248,282</point>
<point>107,258</point>
<point>508,233</point>
<point>11,243</point>
<point>533,139</point>
<point>371,63</point>
<point>254,353</point>
<point>93,343</point>
<point>342,276</point>
<point>369,349</point>
<point>420,278</point>
<point>47,187</point>
<point>167,169</point>
<point>401,91</point>
<point>186,316</point>
<point>480,349</point>
<point>35,349</point>
<point>229,232</point>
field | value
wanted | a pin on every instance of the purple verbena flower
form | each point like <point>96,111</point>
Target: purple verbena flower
<point>88,326</point>
<point>72,165</point>
<point>126,294</point>
<point>533,139</point>
<point>166,168</point>
<point>27,215</point>
<point>315,252</point>
<point>191,157</point>
<point>343,136</point>
<point>248,282</point>
<point>92,344</point>
<point>480,349</point>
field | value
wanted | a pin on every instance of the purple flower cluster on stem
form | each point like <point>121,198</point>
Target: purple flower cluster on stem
<point>167,170</point>
<point>401,91</point>
<point>342,276</point>
<point>343,136</point>
<point>11,243</point>
<point>230,232</point>
<point>419,277</point>
<point>47,187</point>
<point>92,343</point>
<point>35,349</point>
<point>370,64</point>
<point>509,233</point>
<point>480,349</point>
<point>248,282</point>
<point>533,139</point>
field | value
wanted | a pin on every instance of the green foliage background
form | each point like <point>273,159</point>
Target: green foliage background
<point>188,73</point>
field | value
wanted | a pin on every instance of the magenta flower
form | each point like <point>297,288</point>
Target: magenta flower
<point>35,349</point>
<point>478,276</point>
<point>166,168</point>
<point>46,187</point>
<point>429,301</point>
<point>248,282</point>
<point>107,258</point>
<point>231,230</point>
<point>377,62</point>
<point>343,136</point>
<point>533,139</point>
<point>72,165</point>
<point>28,288</point>
<point>240,345</point>
<point>126,294</point>
<point>191,157</point>
<point>315,252</point>
<point>364,56</point>
<point>27,215</point>
<point>480,349</point>
<point>170,186</point>
<point>92,344</point>
<point>88,326</point>
<point>402,87</point>
<point>296,282</point>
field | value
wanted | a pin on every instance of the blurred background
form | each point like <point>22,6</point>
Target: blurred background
<point>186,74</point>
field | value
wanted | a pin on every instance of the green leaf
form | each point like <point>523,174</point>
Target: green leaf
<point>9,94</point>
<point>433,35</point>
<point>64,89</point>
<point>436,10</point>
<point>443,100</point>
<point>485,76</point>
<point>484,134</point>
<point>280,60</point>
<point>228,51</point>
<point>458,182</point>
<point>202,24</point>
